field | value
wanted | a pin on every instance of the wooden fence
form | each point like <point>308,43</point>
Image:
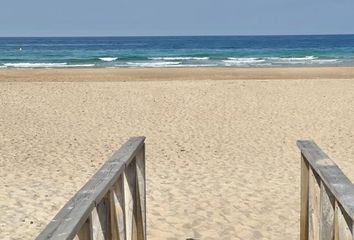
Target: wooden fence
<point>112,205</point>
<point>327,197</point>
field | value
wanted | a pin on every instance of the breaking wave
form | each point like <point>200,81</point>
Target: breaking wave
<point>242,61</point>
<point>108,59</point>
<point>179,58</point>
<point>45,65</point>
<point>153,64</point>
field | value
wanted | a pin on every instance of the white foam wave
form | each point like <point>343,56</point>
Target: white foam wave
<point>35,65</point>
<point>308,60</point>
<point>108,59</point>
<point>324,61</point>
<point>268,61</point>
<point>242,58</point>
<point>179,58</point>
<point>162,66</point>
<point>3,66</point>
<point>243,61</point>
<point>292,59</point>
<point>45,65</point>
<point>195,65</point>
<point>80,65</point>
<point>248,65</point>
<point>153,64</point>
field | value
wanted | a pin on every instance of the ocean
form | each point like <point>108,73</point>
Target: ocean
<point>203,51</point>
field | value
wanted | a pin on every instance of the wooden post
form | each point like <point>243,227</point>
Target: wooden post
<point>343,224</point>
<point>332,217</point>
<point>314,206</point>
<point>130,200</point>
<point>117,211</point>
<point>96,227</point>
<point>110,204</point>
<point>327,214</point>
<point>304,226</point>
<point>84,233</point>
<point>141,194</point>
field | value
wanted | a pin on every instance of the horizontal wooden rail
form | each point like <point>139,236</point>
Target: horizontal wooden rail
<point>112,204</point>
<point>327,197</point>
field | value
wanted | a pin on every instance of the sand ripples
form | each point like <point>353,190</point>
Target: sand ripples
<point>221,156</point>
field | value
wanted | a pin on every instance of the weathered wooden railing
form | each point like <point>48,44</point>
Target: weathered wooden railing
<point>327,197</point>
<point>112,204</point>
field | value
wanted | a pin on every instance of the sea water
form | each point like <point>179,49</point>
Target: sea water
<point>202,51</point>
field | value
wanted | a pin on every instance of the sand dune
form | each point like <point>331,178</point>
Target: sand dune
<point>221,156</point>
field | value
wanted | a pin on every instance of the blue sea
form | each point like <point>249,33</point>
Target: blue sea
<point>203,51</point>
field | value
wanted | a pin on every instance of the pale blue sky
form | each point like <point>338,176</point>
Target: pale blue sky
<point>177,17</point>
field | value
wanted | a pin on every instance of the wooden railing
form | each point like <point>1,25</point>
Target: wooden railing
<point>112,204</point>
<point>327,197</point>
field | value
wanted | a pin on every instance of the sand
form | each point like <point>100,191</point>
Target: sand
<point>221,156</point>
<point>163,74</point>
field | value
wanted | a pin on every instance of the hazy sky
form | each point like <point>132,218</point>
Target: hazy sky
<point>178,17</point>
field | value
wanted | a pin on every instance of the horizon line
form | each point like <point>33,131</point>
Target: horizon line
<point>201,35</point>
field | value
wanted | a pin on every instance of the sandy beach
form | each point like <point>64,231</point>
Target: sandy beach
<point>222,162</point>
<point>168,74</point>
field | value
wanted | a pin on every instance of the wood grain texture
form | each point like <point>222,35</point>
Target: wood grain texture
<point>336,196</point>
<point>129,180</point>
<point>141,194</point>
<point>343,224</point>
<point>334,179</point>
<point>304,226</point>
<point>74,214</point>
<point>314,206</point>
<point>117,211</point>
<point>96,227</point>
<point>327,214</point>
<point>84,232</point>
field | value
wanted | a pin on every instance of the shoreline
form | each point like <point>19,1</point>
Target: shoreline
<point>163,74</point>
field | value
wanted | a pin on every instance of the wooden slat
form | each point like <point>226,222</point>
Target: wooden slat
<point>100,221</point>
<point>343,224</point>
<point>314,206</point>
<point>327,214</point>
<point>96,228</point>
<point>73,215</point>
<point>129,179</point>
<point>104,215</point>
<point>117,210</point>
<point>335,180</point>
<point>84,232</point>
<point>141,195</point>
<point>304,199</point>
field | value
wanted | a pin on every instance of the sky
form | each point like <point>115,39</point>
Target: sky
<point>177,17</point>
